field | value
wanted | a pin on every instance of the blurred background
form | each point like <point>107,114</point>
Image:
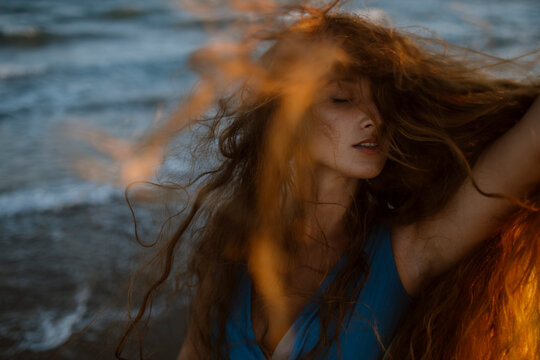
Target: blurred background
<point>67,244</point>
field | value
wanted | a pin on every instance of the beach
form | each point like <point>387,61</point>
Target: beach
<point>68,242</point>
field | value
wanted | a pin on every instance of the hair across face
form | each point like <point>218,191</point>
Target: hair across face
<point>428,115</point>
<point>344,138</point>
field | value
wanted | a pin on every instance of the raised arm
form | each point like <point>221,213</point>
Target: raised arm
<point>510,166</point>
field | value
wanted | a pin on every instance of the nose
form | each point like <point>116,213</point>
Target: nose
<point>369,126</point>
<point>367,123</point>
<point>369,117</point>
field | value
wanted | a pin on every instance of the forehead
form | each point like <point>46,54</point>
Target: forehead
<point>359,85</point>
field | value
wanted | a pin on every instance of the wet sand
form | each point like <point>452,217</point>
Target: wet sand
<point>163,342</point>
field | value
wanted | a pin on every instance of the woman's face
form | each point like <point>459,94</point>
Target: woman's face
<point>344,136</point>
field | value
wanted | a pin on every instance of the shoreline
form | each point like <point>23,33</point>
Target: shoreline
<point>164,341</point>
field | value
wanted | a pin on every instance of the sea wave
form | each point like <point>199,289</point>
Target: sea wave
<point>11,71</point>
<point>129,12</point>
<point>376,15</point>
<point>35,36</point>
<point>199,23</point>
<point>56,198</point>
<point>55,328</point>
<point>150,101</point>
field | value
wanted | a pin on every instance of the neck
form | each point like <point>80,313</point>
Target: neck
<point>325,212</point>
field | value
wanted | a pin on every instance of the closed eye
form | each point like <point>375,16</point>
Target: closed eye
<point>341,100</point>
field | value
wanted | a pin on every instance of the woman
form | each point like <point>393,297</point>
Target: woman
<point>374,197</point>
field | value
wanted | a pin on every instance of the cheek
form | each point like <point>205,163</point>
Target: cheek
<point>322,144</point>
<point>332,124</point>
<point>320,130</point>
<point>330,133</point>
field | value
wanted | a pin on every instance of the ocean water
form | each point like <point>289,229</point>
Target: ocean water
<point>68,247</point>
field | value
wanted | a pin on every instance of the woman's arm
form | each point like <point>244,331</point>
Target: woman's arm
<point>510,166</point>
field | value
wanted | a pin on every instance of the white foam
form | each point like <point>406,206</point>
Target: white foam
<point>56,198</point>
<point>21,30</point>
<point>9,71</point>
<point>377,15</point>
<point>54,330</point>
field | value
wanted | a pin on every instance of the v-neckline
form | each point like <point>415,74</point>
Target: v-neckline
<point>306,309</point>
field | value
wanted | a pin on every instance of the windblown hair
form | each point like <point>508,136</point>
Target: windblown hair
<point>439,112</point>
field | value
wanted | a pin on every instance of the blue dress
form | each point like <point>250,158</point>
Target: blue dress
<point>381,304</point>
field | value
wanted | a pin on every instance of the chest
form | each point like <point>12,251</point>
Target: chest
<point>301,282</point>
<point>371,321</point>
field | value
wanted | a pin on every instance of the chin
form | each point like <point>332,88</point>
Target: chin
<point>362,174</point>
<point>366,172</point>
<point>368,175</point>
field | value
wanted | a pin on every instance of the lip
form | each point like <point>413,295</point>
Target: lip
<point>368,140</point>
<point>366,150</point>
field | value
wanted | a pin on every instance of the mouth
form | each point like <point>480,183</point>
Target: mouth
<point>370,143</point>
<point>370,146</point>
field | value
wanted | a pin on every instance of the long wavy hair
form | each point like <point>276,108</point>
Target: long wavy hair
<point>439,111</point>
